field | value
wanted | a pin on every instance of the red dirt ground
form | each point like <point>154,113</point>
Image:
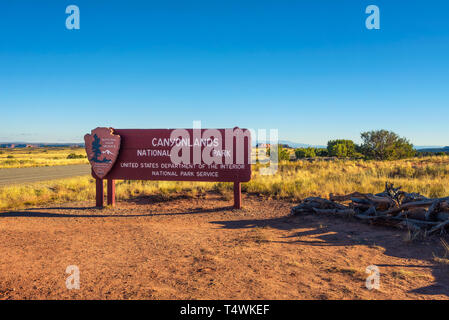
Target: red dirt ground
<point>203,249</point>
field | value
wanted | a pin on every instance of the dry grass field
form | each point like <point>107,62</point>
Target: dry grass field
<point>293,181</point>
<point>39,157</point>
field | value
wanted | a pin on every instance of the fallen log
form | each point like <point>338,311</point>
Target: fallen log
<point>409,205</point>
<point>432,211</point>
<point>346,197</point>
<point>325,202</point>
<point>444,205</point>
<point>439,227</point>
<point>380,202</point>
<point>365,217</point>
<point>416,213</point>
<point>412,197</point>
<point>371,211</point>
<point>415,221</point>
<point>443,216</point>
<point>411,210</point>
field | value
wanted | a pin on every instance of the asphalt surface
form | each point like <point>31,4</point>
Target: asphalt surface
<point>25,175</point>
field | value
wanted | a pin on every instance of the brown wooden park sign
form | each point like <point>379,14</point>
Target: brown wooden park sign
<point>215,155</point>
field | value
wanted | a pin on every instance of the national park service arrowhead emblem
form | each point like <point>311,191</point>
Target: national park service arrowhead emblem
<point>102,148</point>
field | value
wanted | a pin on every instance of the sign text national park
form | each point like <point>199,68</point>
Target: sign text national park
<point>169,154</point>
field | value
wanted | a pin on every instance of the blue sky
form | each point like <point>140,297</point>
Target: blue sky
<point>308,68</point>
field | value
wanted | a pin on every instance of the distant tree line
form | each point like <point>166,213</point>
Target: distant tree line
<point>430,153</point>
<point>377,145</point>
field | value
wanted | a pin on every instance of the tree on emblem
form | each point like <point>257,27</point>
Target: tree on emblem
<point>96,150</point>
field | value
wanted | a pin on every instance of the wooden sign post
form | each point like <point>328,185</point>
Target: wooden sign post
<point>215,155</point>
<point>99,192</point>
<point>237,195</point>
<point>111,192</point>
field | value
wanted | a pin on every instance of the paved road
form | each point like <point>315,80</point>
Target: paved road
<point>23,175</point>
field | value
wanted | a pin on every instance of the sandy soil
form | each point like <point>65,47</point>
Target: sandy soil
<point>203,249</point>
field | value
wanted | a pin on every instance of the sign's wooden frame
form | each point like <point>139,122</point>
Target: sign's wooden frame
<point>104,162</point>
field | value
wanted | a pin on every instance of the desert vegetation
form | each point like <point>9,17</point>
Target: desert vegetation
<point>294,180</point>
<point>41,157</point>
<point>376,144</point>
<point>382,156</point>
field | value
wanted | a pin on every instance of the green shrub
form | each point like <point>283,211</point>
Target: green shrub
<point>305,153</point>
<point>386,145</point>
<point>300,153</point>
<point>341,148</point>
<point>75,156</point>
<point>320,152</point>
<point>283,153</point>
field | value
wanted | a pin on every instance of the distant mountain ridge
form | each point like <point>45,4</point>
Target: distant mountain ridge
<point>290,144</point>
<point>437,149</point>
<point>299,144</point>
<point>427,147</point>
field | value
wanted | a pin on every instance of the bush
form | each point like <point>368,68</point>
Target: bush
<point>75,156</point>
<point>341,148</point>
<point>283,154</point>
<point>321,152</point>
<point>305,153</point>
<point>385,145</point>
